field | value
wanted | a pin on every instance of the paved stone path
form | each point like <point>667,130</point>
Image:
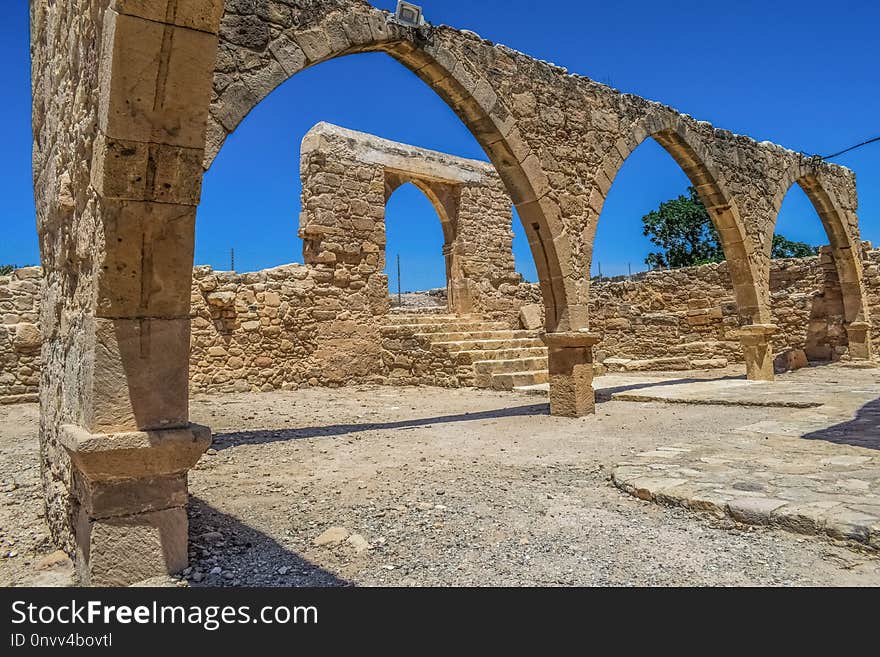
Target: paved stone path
<point>803,486</point>
<point>813,470</point>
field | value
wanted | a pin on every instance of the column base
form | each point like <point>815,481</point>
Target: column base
<point>570,357</point>
<point>859,337</point>
<point>758,350</point>
<point>131,492</point>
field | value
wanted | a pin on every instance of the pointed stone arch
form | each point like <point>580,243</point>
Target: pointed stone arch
<point>434,58</point>
<point>841,227</point>
<point>689,152</point>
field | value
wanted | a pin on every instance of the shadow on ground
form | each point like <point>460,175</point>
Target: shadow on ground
<point>218,539</point>
<point>226,440</point>
<point>604,394</point>
<point>862,431</point>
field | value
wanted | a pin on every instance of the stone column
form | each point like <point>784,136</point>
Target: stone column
<point>758,350</point>
<point>129,440</point>
<point>571,372</point>
<point>859,335</point>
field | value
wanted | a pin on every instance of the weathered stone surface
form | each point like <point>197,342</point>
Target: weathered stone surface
<point>531,316</point>
<point>123,550</point>
<point>27,337</point>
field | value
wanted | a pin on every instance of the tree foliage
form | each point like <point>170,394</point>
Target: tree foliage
<point>5,270</point>
<point>786,248</point>
<point>683,230</point>
<point>686,236</point>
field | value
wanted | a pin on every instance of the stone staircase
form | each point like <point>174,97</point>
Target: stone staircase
<point>482,354</point>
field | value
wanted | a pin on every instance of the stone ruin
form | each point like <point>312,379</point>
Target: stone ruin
<point>132,99</point>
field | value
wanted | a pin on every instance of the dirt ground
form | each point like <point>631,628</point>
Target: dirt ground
<point>433,487</point>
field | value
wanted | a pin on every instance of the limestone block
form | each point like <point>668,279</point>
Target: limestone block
<point>201,15</point>
<point>148,263</point>
<point>140,376</point>
<point>27,337</point>
<point>155,89</point>
<point>790,360</point>
<point>138,171</point>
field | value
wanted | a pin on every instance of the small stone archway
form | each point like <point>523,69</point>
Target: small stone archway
<point>696,162</point>
<point>445,197</point>
<point>841,226</point>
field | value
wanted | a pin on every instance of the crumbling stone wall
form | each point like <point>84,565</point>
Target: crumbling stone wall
<point>347,179</point>
<point>687,318</point>
<point>290,326</point>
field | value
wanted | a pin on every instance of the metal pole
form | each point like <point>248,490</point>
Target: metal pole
<point>399,292</point>
<point>231,259</point>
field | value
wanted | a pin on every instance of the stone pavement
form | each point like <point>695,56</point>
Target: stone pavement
<point>815,469</point>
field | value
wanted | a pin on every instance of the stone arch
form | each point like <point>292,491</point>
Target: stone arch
<point>445,199</point>
<point>460,84</point>
<point>846,249</point>
<point>687,150</point>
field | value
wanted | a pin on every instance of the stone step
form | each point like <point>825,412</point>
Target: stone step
<point>427,318</point>
<point>488,334</point>
<point>456,327</point>
<point>485,370</point>
<point>477,355</point>
<point>511,380</point>
<point>488,345</point>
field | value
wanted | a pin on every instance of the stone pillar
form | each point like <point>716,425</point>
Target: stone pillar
<point>859,335</point>
<point>131,491</point>
<point>758,350</point>
<point>571,372</point>
<point>115,408</point>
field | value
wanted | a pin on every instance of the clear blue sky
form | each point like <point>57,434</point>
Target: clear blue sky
<point>803,74</point>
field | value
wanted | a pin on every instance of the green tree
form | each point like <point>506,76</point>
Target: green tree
<point>5,270</point>
<point>786,248</point>
<point>685,233</point>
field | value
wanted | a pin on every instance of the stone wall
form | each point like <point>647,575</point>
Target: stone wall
<point>293,325</point>
<point>20,337</point>
<point>686,318</point>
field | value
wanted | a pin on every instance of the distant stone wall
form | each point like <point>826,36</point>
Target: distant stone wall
<point>296,325</point>
<point>685,318</point>
<point>347,179</point>
<point>279,329</point>
<point>20,338</point>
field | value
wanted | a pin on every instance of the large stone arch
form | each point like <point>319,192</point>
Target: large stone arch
<point>443,66</point>
<point>841,226</point>
<point>689,152</point>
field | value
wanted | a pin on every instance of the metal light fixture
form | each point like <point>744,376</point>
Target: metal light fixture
<point>409,14</point>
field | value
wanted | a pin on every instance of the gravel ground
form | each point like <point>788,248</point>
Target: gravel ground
<point>425,486</point>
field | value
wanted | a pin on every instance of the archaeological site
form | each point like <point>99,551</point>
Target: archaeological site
<point>296,426</point>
